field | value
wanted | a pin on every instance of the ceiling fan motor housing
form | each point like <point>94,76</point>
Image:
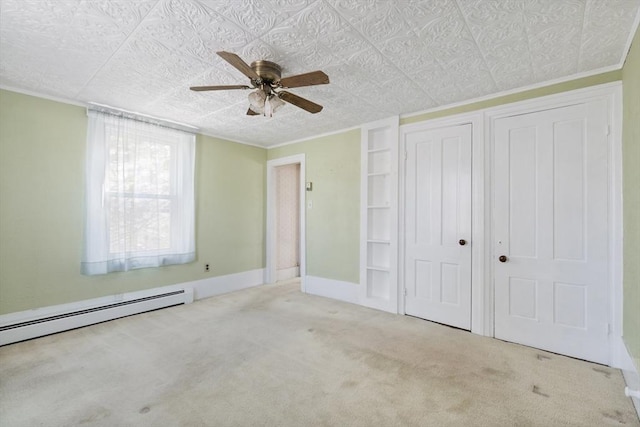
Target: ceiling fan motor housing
<point>269,72</point>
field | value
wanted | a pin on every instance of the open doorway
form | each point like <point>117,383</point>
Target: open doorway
<point>285,233</point>
<point>287,221</point>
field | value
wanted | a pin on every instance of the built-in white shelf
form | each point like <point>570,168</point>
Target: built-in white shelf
<point>379,150</point>
<point>379,214</point>
<point>377,268</point>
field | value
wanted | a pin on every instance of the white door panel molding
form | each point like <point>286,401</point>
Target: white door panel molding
<point>556,223</point>
<point>437,225</point>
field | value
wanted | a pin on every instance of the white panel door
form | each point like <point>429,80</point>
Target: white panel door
<point>438,225</point>
<point>551,228</point>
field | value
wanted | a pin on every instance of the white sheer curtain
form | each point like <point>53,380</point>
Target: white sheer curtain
<point>139,209</point>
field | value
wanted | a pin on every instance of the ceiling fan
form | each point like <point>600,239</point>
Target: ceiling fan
<point>265,77</point>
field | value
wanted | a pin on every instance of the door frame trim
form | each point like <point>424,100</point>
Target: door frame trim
<point>270,234</point>
<point>612,93</point>
<point>478,212</point>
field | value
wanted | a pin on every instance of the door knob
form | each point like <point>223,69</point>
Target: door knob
<point>462,242</point>
<point>502,258</point>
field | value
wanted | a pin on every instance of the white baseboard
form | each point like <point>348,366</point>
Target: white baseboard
<point>63,317</point>
<point>631,375</point>
<point>620,358</point>
<point>336,289</point>
<point>219,285</point>
<point>287,273</point>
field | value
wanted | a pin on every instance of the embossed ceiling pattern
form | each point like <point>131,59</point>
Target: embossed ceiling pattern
<point>383,57</point>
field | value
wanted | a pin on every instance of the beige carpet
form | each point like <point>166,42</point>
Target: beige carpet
<point>272,356</point>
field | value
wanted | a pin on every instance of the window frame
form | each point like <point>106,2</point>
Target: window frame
<point>117,256</point>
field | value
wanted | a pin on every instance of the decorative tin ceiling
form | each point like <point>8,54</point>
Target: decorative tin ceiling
<point>383,57</point>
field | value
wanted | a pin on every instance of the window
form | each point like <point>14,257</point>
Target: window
<point>139,195</point>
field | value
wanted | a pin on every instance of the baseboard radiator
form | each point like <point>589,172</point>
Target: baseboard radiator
<point>46,325</point>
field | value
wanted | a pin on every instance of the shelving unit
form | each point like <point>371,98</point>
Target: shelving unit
<point>379,200</point>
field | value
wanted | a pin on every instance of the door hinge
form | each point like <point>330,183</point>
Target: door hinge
<point>609,329</point>
<point>608,130</point>
<point>405,292</point>
<point>405,156</point>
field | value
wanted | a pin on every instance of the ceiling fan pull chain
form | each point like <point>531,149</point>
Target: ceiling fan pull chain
<point>268,110</point>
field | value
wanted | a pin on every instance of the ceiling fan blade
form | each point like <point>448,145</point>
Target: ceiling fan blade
<point>298,101</point>
<point>250,112</point>
<point>239,64</point>
<point>228,87</point>
<point>307,79</point>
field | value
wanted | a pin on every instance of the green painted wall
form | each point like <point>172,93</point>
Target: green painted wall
<point>597,79</point>
<point>631,197</point>
<point>42,146</point>
<point>333,223</point>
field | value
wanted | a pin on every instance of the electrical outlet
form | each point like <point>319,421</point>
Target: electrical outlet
<point>206,268</point>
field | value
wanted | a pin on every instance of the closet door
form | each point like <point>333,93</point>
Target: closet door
<point>551,264</point>
<point>438,225</point>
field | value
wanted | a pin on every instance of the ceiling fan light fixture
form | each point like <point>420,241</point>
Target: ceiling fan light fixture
<point>272,104</point>
<point>261,103</point>
<point>256,101</point>
<point>276,103</point>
